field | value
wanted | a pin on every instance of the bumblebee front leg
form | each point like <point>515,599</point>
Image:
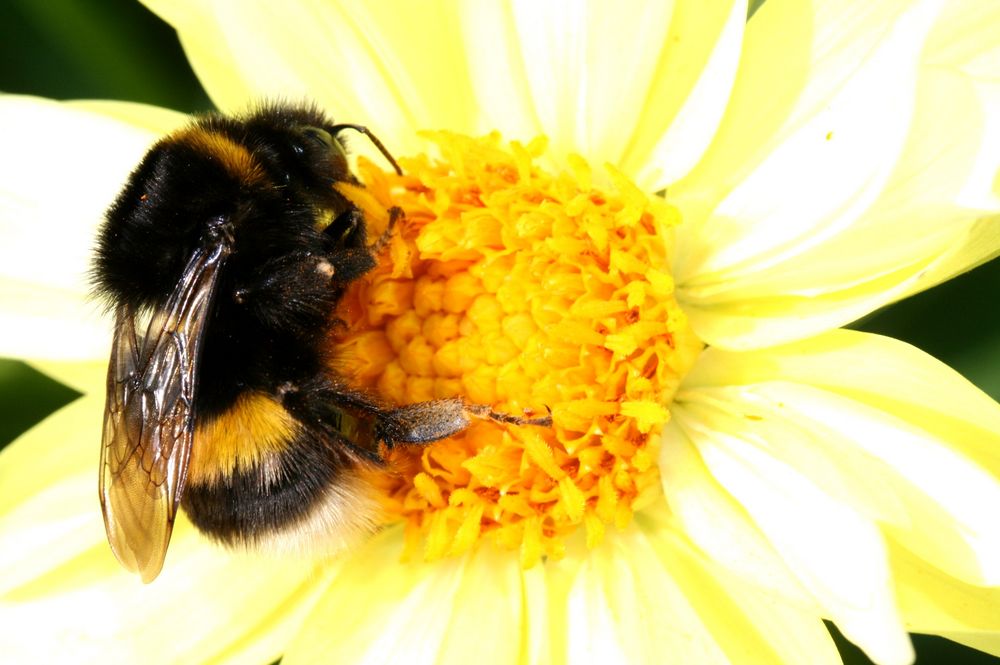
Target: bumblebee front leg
<point>350,256</point>
<point>290,291</point>
<point>395,214</point>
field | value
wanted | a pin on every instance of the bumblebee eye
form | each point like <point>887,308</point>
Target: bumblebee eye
<point>321,138</point>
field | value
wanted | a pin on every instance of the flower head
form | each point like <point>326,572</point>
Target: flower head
<point>725,468</point>
<point>530,292</point>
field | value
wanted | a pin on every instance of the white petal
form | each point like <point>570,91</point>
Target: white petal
<point>62,167</point>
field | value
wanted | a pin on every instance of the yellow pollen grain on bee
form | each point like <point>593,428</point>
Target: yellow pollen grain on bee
<point>533,293</point>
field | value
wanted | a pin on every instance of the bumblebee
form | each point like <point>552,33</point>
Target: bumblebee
<point>231,245</point>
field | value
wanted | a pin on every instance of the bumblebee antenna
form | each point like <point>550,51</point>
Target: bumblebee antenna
<point>371,137</point>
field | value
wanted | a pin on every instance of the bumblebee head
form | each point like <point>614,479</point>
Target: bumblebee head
<point>268,172</point>
<point>298,149</point>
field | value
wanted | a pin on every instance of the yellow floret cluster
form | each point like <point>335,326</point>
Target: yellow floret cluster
<point>532,293</point>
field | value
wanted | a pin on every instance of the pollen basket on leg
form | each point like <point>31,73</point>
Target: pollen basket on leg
<point>529,292</point>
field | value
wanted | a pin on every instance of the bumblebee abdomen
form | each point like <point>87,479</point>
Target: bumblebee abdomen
<point>260,478</point>
<point>253,430</point>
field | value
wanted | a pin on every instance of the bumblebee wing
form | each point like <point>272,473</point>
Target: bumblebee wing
<point>149,416</point>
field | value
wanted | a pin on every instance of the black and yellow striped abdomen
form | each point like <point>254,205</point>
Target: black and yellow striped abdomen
<point>259,477</point>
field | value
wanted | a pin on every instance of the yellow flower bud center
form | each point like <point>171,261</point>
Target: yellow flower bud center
<point>532,293</point>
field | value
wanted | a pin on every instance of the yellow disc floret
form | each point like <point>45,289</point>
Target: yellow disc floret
<point>531,293</point>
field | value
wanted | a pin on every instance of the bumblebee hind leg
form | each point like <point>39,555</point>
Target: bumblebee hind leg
<point>356,420</point>
<point>362,423</point>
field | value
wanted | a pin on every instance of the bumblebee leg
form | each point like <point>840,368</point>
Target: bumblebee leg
<point>484,411</point>
<point>423,422</point>
<point>348,253</point>
<point>351,257</point>
<point>345,228</point>
<point>279,277</point>
<point>365,422</point>
<point>426,422</point>
<point>395,214</point>
<point>340,416</point>
<point>290,294</point>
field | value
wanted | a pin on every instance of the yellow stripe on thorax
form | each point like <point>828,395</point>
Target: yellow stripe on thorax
<point>235,158</point>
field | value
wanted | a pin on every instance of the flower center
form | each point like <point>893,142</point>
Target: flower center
<point>528,292</point>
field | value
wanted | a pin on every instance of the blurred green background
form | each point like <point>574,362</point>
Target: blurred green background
<point>116,49</point>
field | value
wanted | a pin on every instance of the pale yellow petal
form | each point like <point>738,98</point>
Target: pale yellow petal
<point>64,598</point>
<point>750,623</point>
<point>891,431</point>
<point>979,243</point>
<point>66,443</point>
<point>491,587</point>
<point>935,500</point>
<point>63,165</point>
<point>933,602</point>
<point>868,368</point>
<point>381,610</point>
<point>625,606</point>
<point>542,638</point>
<point>965,39</point>
<point>836,552</point>
<point>200,609</point>
<point>824,51</point>
<point>691,91</point>
<point>853,193</point>
<point>639,85</point>
<point>917,233</point>
<point>715,522</point>
<point>525,69</point>
<point>393,66</point>
<point>964,46</point>
<point>964,43</point>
